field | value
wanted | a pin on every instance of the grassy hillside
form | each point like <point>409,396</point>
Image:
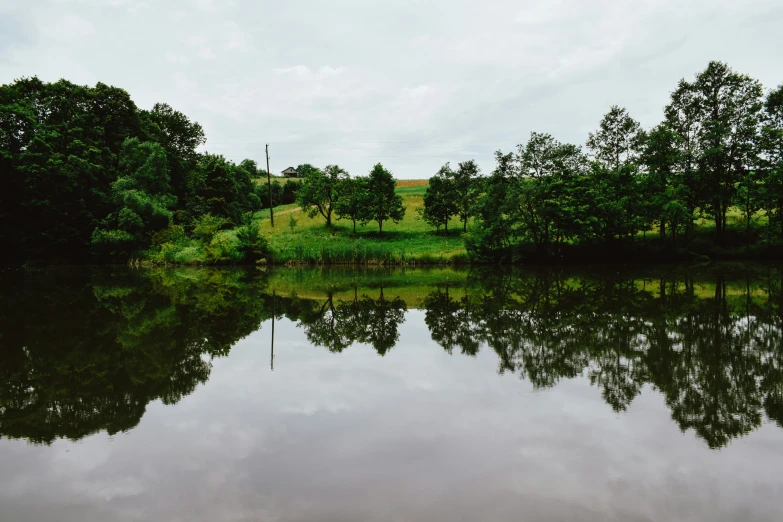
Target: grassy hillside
<point>409,240</point>
<point>300,239</point>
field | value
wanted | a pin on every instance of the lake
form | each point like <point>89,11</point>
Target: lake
<point>592,394</point>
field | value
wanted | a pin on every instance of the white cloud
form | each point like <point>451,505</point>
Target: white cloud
<point>416,92</point>
<point>67,29</point>
<point>299,70</point>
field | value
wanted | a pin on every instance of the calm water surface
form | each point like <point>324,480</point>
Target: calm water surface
<point>302,395</point>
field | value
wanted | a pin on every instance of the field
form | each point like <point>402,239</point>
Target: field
<point>411,240</point>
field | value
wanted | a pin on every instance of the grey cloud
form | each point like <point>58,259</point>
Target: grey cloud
<point>408,83</point>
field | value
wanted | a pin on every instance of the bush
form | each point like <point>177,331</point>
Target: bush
<point>207,226</point>
<point>252,245</point>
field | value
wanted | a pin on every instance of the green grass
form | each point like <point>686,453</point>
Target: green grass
<point>411,241</point>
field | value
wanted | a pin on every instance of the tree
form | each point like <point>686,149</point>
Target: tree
<point>289,191</point>
<point>142,199</point>
<point>728,109</point>
<point>180,138</point>
<point>251,167</point>
<point>722,111</point>
<point>540,201</point>
<point>304,170</point>
<point>353,198</point>
<point>252,245</point>
<point>748,197</point>
<point>439,199</point>
<point>492,239</point>
<point>207,226</point>
<point>771,164</point>
<point>662,187</point>
<point>58,158</point>
<point>618,140</point>
<point>382,203</point>
<point>319,191</point>
<point>466,190</point>
<point>613,185</point>
<point>219,187</point>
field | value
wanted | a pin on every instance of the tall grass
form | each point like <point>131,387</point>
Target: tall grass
<point>357,253</point>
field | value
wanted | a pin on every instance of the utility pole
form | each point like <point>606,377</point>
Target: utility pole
<point>272,361</point>
<point>269,183</point>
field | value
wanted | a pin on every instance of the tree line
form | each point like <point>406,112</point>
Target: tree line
<point>719,146</point>
<point>362,199</point>
<point>85,173</point>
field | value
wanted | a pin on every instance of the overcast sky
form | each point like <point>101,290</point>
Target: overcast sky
<point>411,84</point>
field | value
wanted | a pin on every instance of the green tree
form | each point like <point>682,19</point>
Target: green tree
<point>58,159</point>
<point>319,191</point>
<point>142,198</point>
<point>771,164</point>
<point>251,167</point>
<point>662,187</point>
<point>352,201</point>
<point>440,199</point>
<point>682,117</point>
<point>492,239</point>
<point>305,169</point>
<point>613,185</point>
<point>541,199</point>
<point>207,226</point>
<point>618,140</point>
<point>220,188</point>
<point>717,114</point>
<point>289,191</point>
<point>749,197</point>
<point>180,137</point>
<point>382,204</point>
<point>466,190</point>
<point>252,245</point>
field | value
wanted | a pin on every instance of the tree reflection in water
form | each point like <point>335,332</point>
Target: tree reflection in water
<point>86,350</point>
<point>711,346</point>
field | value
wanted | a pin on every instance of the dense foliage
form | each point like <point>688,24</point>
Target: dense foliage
<point>718,150</point>
<point>84,172</point>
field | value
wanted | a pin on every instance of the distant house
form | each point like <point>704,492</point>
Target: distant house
<point>290,172</point>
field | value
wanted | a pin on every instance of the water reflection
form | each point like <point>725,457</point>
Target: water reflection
<point>711,346</point>
<point>85,350</point>
<point>336,325</point>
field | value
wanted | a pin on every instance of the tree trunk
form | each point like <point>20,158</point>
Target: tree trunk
<point>380,226</point>
<point>354,226</point>
<point>329,219</point>
<point>465,225</point>
<point>689,223</point>
<point>447,226</point>
<point>663,229</point>
<point>718,226</point>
